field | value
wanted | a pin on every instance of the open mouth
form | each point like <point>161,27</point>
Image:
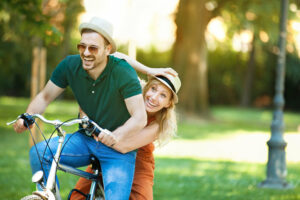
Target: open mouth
<point>88,59</point>
<point>150,104</point>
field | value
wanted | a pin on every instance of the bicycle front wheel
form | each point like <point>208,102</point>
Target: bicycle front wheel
<point>32,197</point>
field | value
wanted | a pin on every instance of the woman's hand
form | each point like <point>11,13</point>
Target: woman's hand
<point>106,137</point>
<point>161,71</point>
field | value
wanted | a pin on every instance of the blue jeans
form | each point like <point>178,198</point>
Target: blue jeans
<point>117,168</point>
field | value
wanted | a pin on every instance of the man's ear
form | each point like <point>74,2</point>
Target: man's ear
<point>108,49</point>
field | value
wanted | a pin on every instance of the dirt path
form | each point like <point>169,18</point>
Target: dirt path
<point>245,147</point>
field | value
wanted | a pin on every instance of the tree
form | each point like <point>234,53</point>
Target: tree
<point>253,18</point>
<point>25,24</point>
<point>190,52</point>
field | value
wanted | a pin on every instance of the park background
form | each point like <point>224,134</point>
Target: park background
<point>226,54</point>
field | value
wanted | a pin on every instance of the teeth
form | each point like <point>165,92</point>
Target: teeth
<point>153,105</point>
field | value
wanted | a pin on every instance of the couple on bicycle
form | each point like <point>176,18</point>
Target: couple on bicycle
<point>109,92</point>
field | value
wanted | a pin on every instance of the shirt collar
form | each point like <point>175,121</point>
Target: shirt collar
<point>105,72</point>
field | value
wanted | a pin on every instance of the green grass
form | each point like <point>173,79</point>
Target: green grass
<point>182,178</point>
<point>175,177</point>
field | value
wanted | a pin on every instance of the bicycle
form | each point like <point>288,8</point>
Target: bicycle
<point>50,190</point>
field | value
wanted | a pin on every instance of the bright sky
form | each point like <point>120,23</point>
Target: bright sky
<point>147,23</point>
<point>142,21</point>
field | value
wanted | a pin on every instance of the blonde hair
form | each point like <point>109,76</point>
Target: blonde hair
<point>166,117</point>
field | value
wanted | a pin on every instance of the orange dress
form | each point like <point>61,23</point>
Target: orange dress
<point>142,186</point>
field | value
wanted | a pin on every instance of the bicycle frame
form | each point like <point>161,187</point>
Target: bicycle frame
<point>51,191</point>
<point>51,178</point>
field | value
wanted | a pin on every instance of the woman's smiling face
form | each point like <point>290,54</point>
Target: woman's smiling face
<point>157,97</point>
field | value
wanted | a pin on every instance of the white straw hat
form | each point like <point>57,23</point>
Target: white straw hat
<point>172,82</point>
<point>101,26</point>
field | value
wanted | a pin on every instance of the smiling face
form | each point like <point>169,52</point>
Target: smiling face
<point>93,51</point>
<point>157,97</point>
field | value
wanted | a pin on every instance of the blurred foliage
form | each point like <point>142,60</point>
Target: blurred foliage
<point>55,22</point>
<point>292,83</point>
<point>34,21</point>
<point>253,75</point>
<point>226,75</point>
<point>162,59</point>
<point>28,23</point>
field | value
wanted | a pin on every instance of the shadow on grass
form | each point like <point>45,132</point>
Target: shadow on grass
<point>232,120</point>
<point>180,178</point>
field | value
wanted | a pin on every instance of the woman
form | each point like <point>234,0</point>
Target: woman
<point>160,96</point>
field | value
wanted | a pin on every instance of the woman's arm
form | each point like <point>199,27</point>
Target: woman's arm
<point>143,68</point>
<point>133,141</point>
<point>147,135</point>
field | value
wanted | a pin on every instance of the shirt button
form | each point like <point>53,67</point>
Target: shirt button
<point>94,84</point>
<point>93,91</point>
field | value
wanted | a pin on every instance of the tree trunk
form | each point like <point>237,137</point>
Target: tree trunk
<point>190,55</point>
<point>38,78</point>
<point>249,78</point>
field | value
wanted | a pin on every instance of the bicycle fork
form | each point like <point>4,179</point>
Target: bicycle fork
<point>51,191</point>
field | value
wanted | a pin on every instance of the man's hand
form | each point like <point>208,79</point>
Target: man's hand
<point>161,71</point>
<point>19,126</point>
<point>106,137</point>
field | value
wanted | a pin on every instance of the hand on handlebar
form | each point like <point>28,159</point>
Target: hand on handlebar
<point>19,126</point>
<point>106,137</point>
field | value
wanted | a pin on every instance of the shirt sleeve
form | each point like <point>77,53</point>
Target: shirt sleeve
<point>59,75</point>
<point>128,82</point>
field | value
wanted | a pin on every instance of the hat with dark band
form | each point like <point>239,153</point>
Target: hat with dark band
<point>172,82</point>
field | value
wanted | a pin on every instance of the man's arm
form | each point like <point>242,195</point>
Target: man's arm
<point>143,68</point>
<point>138,120</point>
<point>40,103</point>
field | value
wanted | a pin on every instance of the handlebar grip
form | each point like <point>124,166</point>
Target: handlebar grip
<point>97,132</point>
<point>28,119</point>
<point>92,129</point>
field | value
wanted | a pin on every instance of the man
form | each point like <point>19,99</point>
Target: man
<point>108,91</point>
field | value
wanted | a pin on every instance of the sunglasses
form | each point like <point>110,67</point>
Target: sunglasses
<point>92,49</point>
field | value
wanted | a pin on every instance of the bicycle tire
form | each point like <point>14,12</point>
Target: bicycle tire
<point>99,192</point>
<point>99,198</point>
<point>32,197</point>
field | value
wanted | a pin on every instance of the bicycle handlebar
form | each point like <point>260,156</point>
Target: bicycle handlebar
<point>84,121</point>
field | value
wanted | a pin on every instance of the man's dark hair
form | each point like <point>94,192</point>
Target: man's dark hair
<point>87,30</point>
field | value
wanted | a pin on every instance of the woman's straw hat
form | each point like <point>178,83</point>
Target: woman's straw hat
<point>172,82</point>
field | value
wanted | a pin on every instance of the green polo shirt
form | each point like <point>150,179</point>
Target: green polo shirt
<point>102,99</point>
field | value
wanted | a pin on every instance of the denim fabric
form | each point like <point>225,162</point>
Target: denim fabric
<point>117,168</point>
